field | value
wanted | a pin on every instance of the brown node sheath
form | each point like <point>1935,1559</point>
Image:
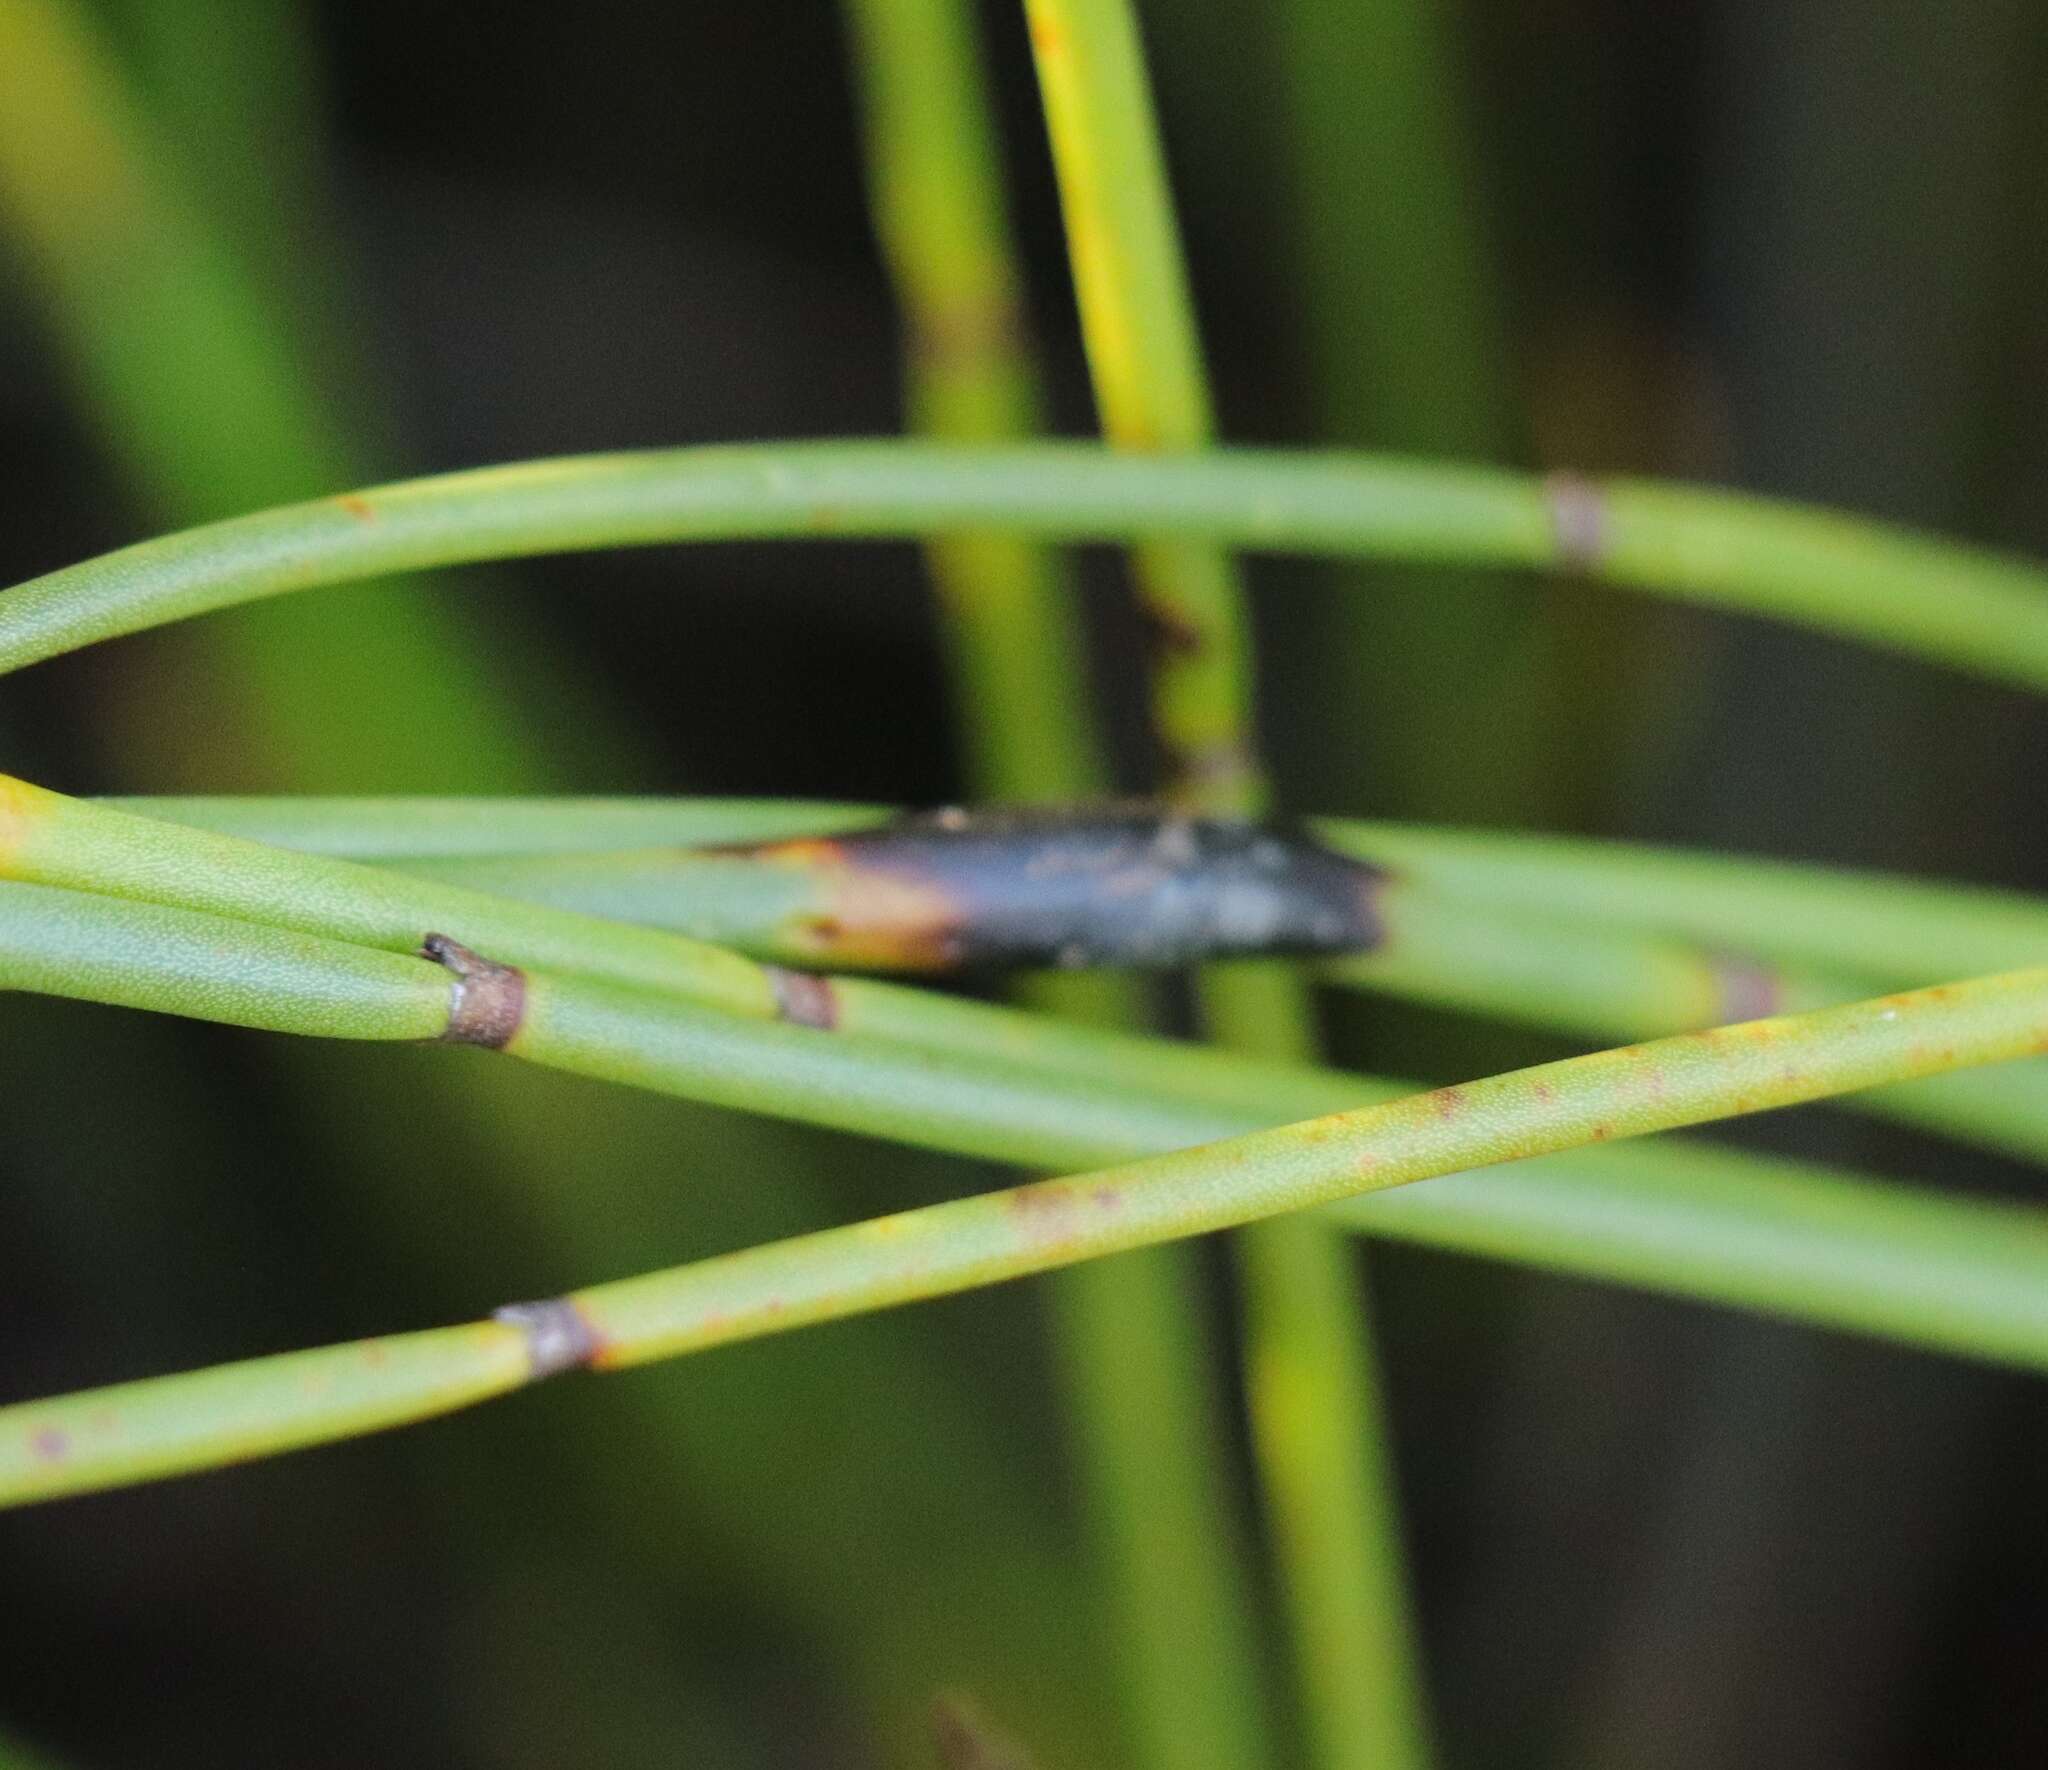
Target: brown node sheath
<point>488,1000</point>
<point>559,1336</point>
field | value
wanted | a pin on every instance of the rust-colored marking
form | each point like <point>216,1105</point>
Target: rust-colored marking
<point>1448,1102</point>
<point>358,507</point>
<point>1579,521</point>
<point>967,331</point>
<point>488,1001</point>
<point>1208,769</point>
<point>964,1740</point>
<point>50,1445</point>
<point>1046,1211</point>
<point>18,815</point>
<point>1602,1131</point>
<point>1107,1200</point>
<point>559,1336</point>
<point>803,998</point>
<point>1544,1092</point>
<point>1046,37</point>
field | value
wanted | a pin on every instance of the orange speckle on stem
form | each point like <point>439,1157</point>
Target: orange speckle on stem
<point>19,809</point>
<point>1045,1212</point>
<point>359,507</point>
<point>50,1445</point>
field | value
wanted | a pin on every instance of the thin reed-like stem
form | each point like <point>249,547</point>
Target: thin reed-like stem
<point>1129,1335</point>
<point>1994,1259</point>
<point>1944,602</point>
<point>1317,1436</point>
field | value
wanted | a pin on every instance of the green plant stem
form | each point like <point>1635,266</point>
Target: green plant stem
<point>1145,360</point>
<point>1009,616</point>
<point>1316,1428</point>
<point>1887,926</point>
<point>1129,1334</point>
<point>1446,948</point>
<point>48,839</point>
<point>167,1425</point>
<point>1452,938</point>
<point>429,828</point>
<point>995,1083</point>
<point>192,373</point>
<point>1863,580</point>
<point>1403,338</point>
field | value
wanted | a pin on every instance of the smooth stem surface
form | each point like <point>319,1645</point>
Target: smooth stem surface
<point>165,1425</point>
<point>48,839</point>
<point>1144,358</point>
<point>1008,611</point>
<point>1890,927</point>
<point>1129,1334</point>
<point>1947,603</point>
<point>1316,1428</point>
<point>1399,328</point>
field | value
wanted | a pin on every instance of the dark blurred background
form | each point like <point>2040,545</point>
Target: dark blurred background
<point>251,251</point>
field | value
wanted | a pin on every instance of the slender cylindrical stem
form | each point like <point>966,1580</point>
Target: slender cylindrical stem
<point>1330,1490</point>
<point>1953,604</point>
<point>1130,1337</point>
<point>1939,1271</point>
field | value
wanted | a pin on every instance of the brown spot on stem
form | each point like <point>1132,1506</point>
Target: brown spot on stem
<point>1202,774</point>
<point>50,1445</point>
<point>967,331</point>
<point>1046,1210</point>
<point>1579,521</point>
<point>1046,39</point>
<point>1168,634</point>
<point>1448,1102</point>
<point>965,1741</point>
<point>488,1001</point>
<point>1747,990</point>
<point>803,999</point>
<point>559,1336</point>
<point>359,507</point>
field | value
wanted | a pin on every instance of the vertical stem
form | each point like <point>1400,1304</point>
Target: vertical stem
<point>1406,344</point>
<point>1129,1332</point>
<point>1316,1426</point>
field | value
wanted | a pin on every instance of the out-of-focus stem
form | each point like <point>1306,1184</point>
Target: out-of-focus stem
<point>1315,1422</point>
<point>1129,1334</point>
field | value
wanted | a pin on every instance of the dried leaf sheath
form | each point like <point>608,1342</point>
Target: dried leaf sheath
<point>961,890</point>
